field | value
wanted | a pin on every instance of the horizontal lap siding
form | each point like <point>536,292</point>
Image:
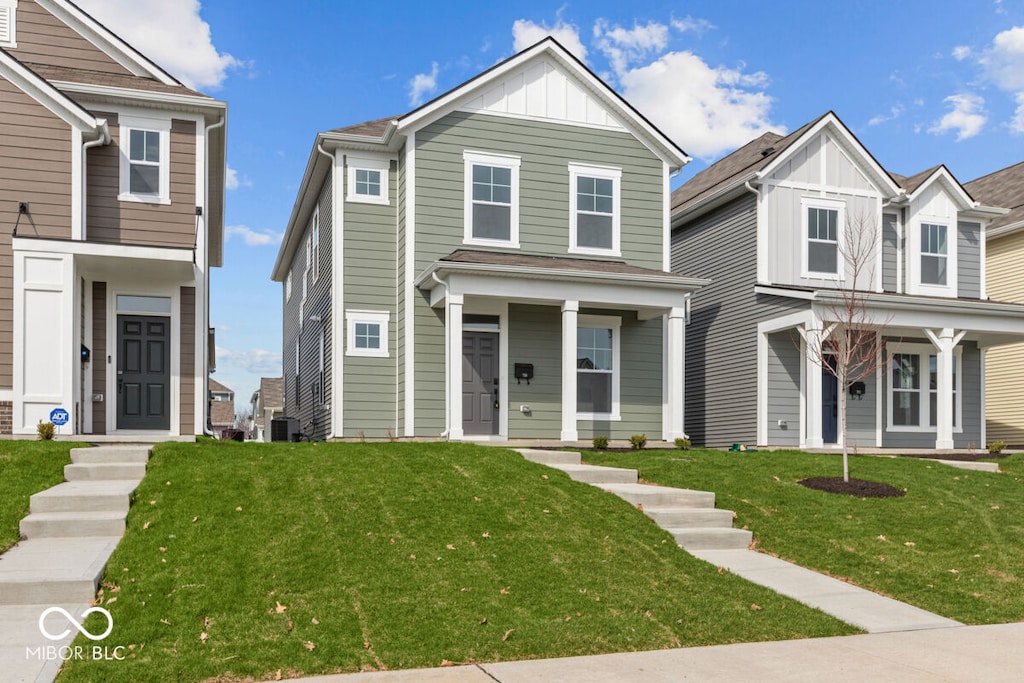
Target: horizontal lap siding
<point>120,222</point>
<point>890,252</point>
<point>784,361</point>
<point>545,150</point>
<point>44,39</point>
<point>1004,365</point>
<point>429,366</point>
<point>721,339</point>
<point>369,285</point>
<point>35,168</point>
<point>535,336</point>
<point>968,260</point>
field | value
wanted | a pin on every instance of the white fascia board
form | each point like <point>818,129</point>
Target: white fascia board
<point>910,311</point>
<point>98,34</point>
<point>105,93</point>
<point>305,200</point>
<point>952,187</point>
<point>43,92</point>
<point>715,199</point>
<point>667,281</point>
<point>832,122</point>
<point>655,140</point>
<point>81,248</point>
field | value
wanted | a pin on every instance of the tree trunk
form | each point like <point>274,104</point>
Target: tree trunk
<point>842,428</point>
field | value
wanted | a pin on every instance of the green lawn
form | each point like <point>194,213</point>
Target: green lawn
<point>242,560</point>
<point>952,545</point>
<point>27,467</point>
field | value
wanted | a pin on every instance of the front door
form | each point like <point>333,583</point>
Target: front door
<point>480,383</point>
<point>143,372</point>
<point>829,403</point>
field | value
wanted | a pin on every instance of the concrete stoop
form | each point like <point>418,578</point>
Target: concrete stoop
<point>690,516</point>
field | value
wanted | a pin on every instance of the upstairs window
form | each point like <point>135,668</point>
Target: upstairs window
<point>822,225</point>
<point>8,18</point>
<point>934,254</point>
<point>491,199</point>
<point>368,180</point>
<point>145,167</point>
<point>594,210</point>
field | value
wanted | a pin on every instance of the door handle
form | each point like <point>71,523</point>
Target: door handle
<point>496,404</point>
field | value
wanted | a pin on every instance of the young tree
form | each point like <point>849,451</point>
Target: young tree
<point>849,343</point>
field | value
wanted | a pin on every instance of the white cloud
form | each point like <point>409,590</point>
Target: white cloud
<point>894,113</point>
<point>961,52</point>
<point>171,33</point>
<point>422,85</point>
<point>233,182</point>
<point>698,26</point>
<point>253,238</point>
<point>706,110</point>
<point>967,117</point>
<point>257,361</point>
<point>624,47</point>
<point>525,33</point>
<point>1004,61</point>
<point>1016,124</point>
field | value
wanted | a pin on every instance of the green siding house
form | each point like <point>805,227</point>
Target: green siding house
<point>492,265</point>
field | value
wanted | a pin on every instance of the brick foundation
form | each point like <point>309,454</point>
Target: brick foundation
<point>6,417</point>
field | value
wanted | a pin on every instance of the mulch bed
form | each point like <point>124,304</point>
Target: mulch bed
<point>855,487</point>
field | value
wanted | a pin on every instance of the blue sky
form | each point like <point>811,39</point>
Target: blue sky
<point>920,82</point>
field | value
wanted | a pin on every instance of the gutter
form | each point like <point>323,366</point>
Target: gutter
<point>698,207</point>
<point>207,424</point>
<point>667,282</point>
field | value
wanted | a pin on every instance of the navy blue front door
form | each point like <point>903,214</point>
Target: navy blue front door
<point>829,405</point>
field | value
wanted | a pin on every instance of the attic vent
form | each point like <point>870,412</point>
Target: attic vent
<point>6,25</point>
<point>766,152</point>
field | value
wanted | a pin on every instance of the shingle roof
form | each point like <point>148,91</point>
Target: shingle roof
<point>70,75</point>
<point>1003,188</point>
<point>214,385</point>
<point>911,183</point>
<point>492,258</point>
<point>222,413</point>
<point>370,129</point>
<point>272,392</point>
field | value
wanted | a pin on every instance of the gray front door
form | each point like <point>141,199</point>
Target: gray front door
<point>480,383</point>
<point>143,372</point>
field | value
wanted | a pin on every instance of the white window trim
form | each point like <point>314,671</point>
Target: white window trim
<point>380,318</point>
<point>365,164</point>
<point>615,324</point>
<point>10,7</point>
<point>923,351</point>
<point>487,159</point>
<point>603,172</point>
<point>161,126</point>
<point>915,255</point>
<point>807,203</point>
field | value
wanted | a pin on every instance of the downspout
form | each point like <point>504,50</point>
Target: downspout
<point>207,426</point>
<point>337,372</point>
<point>444,434</point>
<point>103,139</point>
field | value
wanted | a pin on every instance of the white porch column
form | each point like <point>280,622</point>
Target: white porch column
<point>675,362</point>
<point>813,337</point>
<point>453,344</point>
<point>570,315</point>
<point>945,341</point>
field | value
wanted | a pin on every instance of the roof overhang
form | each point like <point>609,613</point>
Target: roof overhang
<point>115,260</point>
<point>317,168</point>
<point>963,201</point>
<point>50,97</point>
<point>1004,230</point>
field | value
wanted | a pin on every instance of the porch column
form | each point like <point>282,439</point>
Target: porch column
<point>453,344</point>
<point>944,341</point>
<point>675,362</point>
<point>812,337</point>
<point>570,314</point>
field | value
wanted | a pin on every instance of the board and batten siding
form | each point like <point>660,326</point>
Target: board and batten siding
<point>545,151</point>
<point>1004,365</point>
<point>110,220</point>
<point>721,339</point>
<point>35,168</point>
<point>968,258</point>
<point>890,252</point>
<point>369,281</point>
<point>44,39</point>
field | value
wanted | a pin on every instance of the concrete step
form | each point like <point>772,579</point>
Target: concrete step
<point>85,496</point>
<point>73,524</point>
<point>690,518</point>
<point>104,471</point>
<point>550,457</point>
<point>712,539</point>
<point>54,570</point>
<point>597,475</point>
<point>662,496</point>
<point>110,454</point>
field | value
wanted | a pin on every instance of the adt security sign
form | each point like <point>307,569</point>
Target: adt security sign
<point>59,416</point>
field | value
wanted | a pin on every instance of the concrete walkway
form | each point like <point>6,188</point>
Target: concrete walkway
<point>69,534</point>
<point>971,654</point>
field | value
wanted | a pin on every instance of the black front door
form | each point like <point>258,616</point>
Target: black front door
<point>143,372</point>
<point>480,383</point>
<point>829,403</point>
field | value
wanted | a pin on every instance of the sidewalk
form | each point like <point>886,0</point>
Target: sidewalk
<point>982,654</point>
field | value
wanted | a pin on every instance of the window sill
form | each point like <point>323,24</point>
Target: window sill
<point>828,277</point>
<point>143,199</point>
<point>367,199</point>
<point>364,353</point>
<point>595,252</point>
<point>506,244</point>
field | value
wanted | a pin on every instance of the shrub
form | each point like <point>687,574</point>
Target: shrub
<point>638,441</point>
<point>45,430</point>
<point>600,442</point>
<point>683,444</point>
<point>996,447</point>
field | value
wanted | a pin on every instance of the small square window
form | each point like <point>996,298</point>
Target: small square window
<point>368,180</point>
<point>367,333</point>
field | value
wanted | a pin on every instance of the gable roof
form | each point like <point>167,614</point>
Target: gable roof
<point>1005,188</point>
<point>214,385</point>
<point>42,91</point>
<point>272,391</point>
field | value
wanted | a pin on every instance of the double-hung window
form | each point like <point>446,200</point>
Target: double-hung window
<point>367,333</point>
<point>913,396</point>
<point>934,254</point>
<point>145,167</point>
<point>597,367</point>
<point>823,225</point>
<point>491,199</point>
<point>594,210</point>
<point>368,180</point>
